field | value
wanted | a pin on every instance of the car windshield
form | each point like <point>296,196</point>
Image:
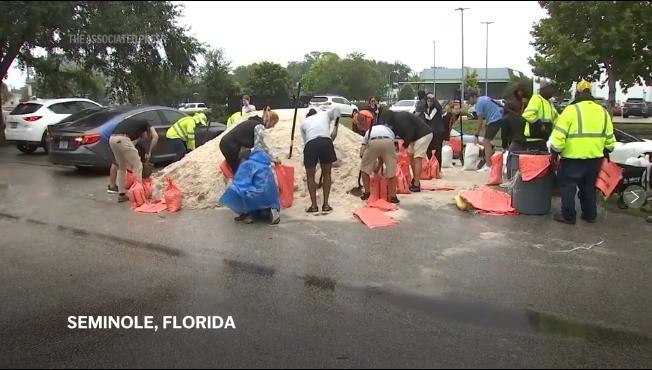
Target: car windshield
<point>319,99</point>
<point>635,100</point>
<point>94,120</point>
<point>25,108</point>
<point>405,103</point>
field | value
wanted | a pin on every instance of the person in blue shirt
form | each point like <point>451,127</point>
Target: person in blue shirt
<point>490,118</point>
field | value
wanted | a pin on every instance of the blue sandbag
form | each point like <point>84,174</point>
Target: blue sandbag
<point>253,187</point>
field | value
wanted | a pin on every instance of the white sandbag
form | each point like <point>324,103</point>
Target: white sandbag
<point>446,156</point>
<point>471,157</point>
<point>505,155</point>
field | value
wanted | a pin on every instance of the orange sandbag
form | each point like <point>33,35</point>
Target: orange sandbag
<point>403,163</point>
<point>226,169</point>
<point>433,163</point>
<point>172,196</point>
<point>156,207</point>
<point>403,184</point>
<point>496,175</point>
<point>285,177</point>
<point>147,186</point>
<point>130,179</point>
<point>533,166</point>
<point>384,189</point>
<point>425,169</point>
<point>374,192</point>
<point>374,218</point>
<point>136,195</point>
<point>382,205</point>
<point>609,177</point>
<point>489,201</point>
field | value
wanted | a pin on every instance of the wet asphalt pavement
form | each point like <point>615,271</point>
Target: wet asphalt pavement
<point>443,289</point>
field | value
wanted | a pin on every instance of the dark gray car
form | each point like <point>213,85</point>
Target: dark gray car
<point>84,142</point>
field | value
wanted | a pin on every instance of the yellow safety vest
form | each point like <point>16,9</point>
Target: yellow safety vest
<point>537,109</point>
<point>183,129</point>
<point>201,118</point>
<point>583,131</point>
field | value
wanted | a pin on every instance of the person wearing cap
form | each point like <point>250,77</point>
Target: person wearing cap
<point>490,120</point>
<point>582,136</point>
<point>182,134</point>
<point>540,116</point>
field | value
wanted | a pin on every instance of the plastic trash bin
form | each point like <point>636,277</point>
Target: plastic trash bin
<point>532,197</point>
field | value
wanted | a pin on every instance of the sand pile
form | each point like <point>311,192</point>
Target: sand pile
<point>201,182</point>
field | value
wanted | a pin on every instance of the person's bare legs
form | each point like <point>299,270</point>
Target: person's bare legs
<point>326,172</point>
<point>113,175</point>
<point>393,183</point>
<point>312,186</point>
<point>488,150</point>
<point>366,181</point>
<point>416,170</point>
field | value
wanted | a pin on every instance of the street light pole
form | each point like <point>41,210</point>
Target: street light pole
<point>486,66</point>
<point>461,10</point>
<point>434,69</point>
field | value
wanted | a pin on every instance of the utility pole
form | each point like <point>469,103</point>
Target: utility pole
<point>434,69</point>
<point>461,10</point>
<point>486,66</point>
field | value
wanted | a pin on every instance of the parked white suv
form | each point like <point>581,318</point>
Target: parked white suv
<point>26,125</point>
<point>193,108</point>
<point>325,102</point>
<point>405,106</point>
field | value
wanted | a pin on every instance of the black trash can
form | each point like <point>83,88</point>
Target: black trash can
<point>532,197</point>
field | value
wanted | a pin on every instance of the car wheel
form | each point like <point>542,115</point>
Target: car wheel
<point>354,112</point>
<point>44,143</point>
<point>27,148</point>
<point>625,115</point>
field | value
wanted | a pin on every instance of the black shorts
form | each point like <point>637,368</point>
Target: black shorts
<point>319,150</point>
<point>492,129</point>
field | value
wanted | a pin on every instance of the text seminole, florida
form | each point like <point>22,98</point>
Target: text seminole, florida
<point>150,322</point>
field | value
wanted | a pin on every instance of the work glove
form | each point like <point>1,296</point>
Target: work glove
<point>554,160</point>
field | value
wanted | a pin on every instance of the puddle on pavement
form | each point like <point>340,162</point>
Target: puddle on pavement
<point>488,315</point>
<point>250,268</point>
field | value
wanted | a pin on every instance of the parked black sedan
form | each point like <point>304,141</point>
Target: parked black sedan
<point>84,142</point>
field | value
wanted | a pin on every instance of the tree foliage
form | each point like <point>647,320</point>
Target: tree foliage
<point>406,92</point>
<point>471,82</point>
<point>270,80</point>
<point>599,41</point>
<point>216,82</point>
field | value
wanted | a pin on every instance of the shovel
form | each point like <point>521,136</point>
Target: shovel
<point>357,191</point>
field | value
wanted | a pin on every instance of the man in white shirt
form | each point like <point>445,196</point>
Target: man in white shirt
<point>319,148</point>
<point>247,107</point>
<point>378,143</point>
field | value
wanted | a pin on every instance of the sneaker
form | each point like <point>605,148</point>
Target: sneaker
<point>415,189</point>
<point>123,198</point>
<point>240,218</point>
<point>112,189</point>
<point>560,218</point>
<point>394,200</point>
<point>484,169</point>
<point>365,196</point>
<point>275,217</point>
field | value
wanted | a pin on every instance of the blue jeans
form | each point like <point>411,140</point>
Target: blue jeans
<point>582,174</point>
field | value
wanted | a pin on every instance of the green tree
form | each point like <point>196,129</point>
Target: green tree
<point>299,69</point>
<point>406,92</point>
<point>612,39</point>
<point>324,75</point>
<point>242,74</point>
<point>360,78</point>
<point>270,80</point>
<point>471,82</point>
<point>217,83</point>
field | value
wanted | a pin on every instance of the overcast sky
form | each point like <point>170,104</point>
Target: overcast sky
<point>285,31</point>
<point>252,31</point>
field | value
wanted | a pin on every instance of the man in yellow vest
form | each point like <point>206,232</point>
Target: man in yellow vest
<point>182,133</point>
<point>582,136</point>
<point>540,116</point>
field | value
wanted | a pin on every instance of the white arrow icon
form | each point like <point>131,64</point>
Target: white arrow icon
<point>636,195</point>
